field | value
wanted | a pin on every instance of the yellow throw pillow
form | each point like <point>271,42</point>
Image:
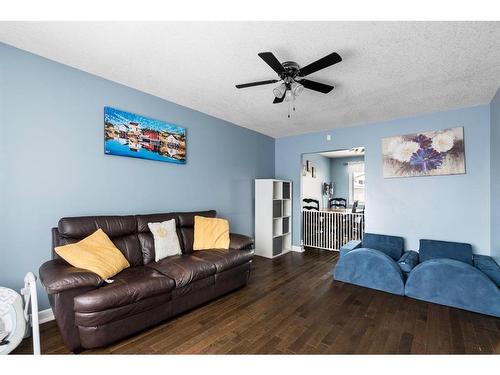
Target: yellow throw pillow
<point>210,233</point>
<point>95,253</point>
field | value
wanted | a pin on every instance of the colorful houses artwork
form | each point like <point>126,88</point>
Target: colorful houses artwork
<point>128,134</point>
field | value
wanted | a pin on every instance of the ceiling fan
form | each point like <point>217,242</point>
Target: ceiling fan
<point>291,77</point>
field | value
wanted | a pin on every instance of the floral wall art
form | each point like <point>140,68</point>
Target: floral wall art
<point>424,154</point>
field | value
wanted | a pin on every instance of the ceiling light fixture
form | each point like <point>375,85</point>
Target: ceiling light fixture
<point>279,91</point>
<point>291,76</point>
<point>297,88</point>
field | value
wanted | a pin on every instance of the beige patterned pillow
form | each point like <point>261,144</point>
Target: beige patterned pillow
<point>166,240</point>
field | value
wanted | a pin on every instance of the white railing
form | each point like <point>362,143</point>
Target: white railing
<point>331,230</point>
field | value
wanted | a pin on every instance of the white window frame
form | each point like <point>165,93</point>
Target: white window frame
<point>355,167</point>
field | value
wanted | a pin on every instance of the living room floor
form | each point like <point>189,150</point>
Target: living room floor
<point>292,305</point>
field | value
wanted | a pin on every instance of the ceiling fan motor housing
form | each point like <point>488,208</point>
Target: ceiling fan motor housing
<point>291,70</point>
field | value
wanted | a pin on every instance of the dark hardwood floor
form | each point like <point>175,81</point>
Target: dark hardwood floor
<point>292,305</point>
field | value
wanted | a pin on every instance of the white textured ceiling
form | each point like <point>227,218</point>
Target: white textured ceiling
<point>389,69</point>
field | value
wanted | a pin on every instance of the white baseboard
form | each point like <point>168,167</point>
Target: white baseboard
<point>45,316</point>
<point>297,249</point>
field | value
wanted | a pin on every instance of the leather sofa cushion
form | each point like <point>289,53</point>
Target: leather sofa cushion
<point>389,245</point>
<point>187,235</point>
<point>432,249</point>
<point>240,242</point>
<point>58,276</point>
<point>186,219</point>
<point>81,227</point>
<point>193,287</point>
<point>130,247</point>
<point>99,318</point>
<point>225,259</point>
<point>129,286</point>
<point>122,230</point>
<point>143,220</point>
<point>184,269</point>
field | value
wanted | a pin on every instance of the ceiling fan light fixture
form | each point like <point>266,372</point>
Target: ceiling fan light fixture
<point>279,91</point>
<point>297,88</point>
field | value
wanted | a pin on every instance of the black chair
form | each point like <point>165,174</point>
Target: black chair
<point>308,201</point>
<point>337,203</point>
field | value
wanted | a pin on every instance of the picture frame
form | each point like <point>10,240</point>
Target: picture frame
<point>430,153</point>
<point>131,135</point>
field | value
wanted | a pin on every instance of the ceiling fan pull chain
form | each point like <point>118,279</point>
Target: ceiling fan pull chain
<point>289,105</point>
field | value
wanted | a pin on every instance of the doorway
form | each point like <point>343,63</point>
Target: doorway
<point>332,198</point>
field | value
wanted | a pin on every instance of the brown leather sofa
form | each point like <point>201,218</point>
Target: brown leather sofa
<point>91,313</point>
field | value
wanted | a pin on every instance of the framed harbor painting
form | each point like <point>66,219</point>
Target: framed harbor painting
<point>432,153</point>
<point>128,134</point>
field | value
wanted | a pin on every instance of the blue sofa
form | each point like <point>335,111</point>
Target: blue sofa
<point>449,274</point>
<point>373,263</point>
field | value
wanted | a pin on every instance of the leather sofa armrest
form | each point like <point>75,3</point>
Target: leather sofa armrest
<point>240,242</point>
<point>408,261</point>
<point>58,276</point>
<point>351,245</point>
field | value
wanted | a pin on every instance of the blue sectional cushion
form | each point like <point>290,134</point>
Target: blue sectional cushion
<point>432,249</point>
<point>389,245</point>
<point>372,269</point>
<point>350,246</point>
<point>453,283</point>
<point>488,266</point>
<point>408,261</point>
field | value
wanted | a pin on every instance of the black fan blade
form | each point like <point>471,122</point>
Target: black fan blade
<point>242,86</point>
<point>316,86</point>
<point>323,63</point>
<point>279,100</point>
<point>273,62</point>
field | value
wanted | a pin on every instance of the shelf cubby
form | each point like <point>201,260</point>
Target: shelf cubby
<point>287,242</point>
<point>285,225</point>
<point>287,208</point>
<point>277,227</point>
<point>285,190</point>
<point>277,245</point>
<point>277,209</point>
<point>277,190</point>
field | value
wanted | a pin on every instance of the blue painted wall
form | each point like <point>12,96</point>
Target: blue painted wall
<point>495,177</point>
<point>340,174</point>
<point>443,207</point>
<point>53,164</point>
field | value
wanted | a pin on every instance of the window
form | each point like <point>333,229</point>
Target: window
<point>357,182</point>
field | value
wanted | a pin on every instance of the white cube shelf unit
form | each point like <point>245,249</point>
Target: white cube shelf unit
<point>273,217</point>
